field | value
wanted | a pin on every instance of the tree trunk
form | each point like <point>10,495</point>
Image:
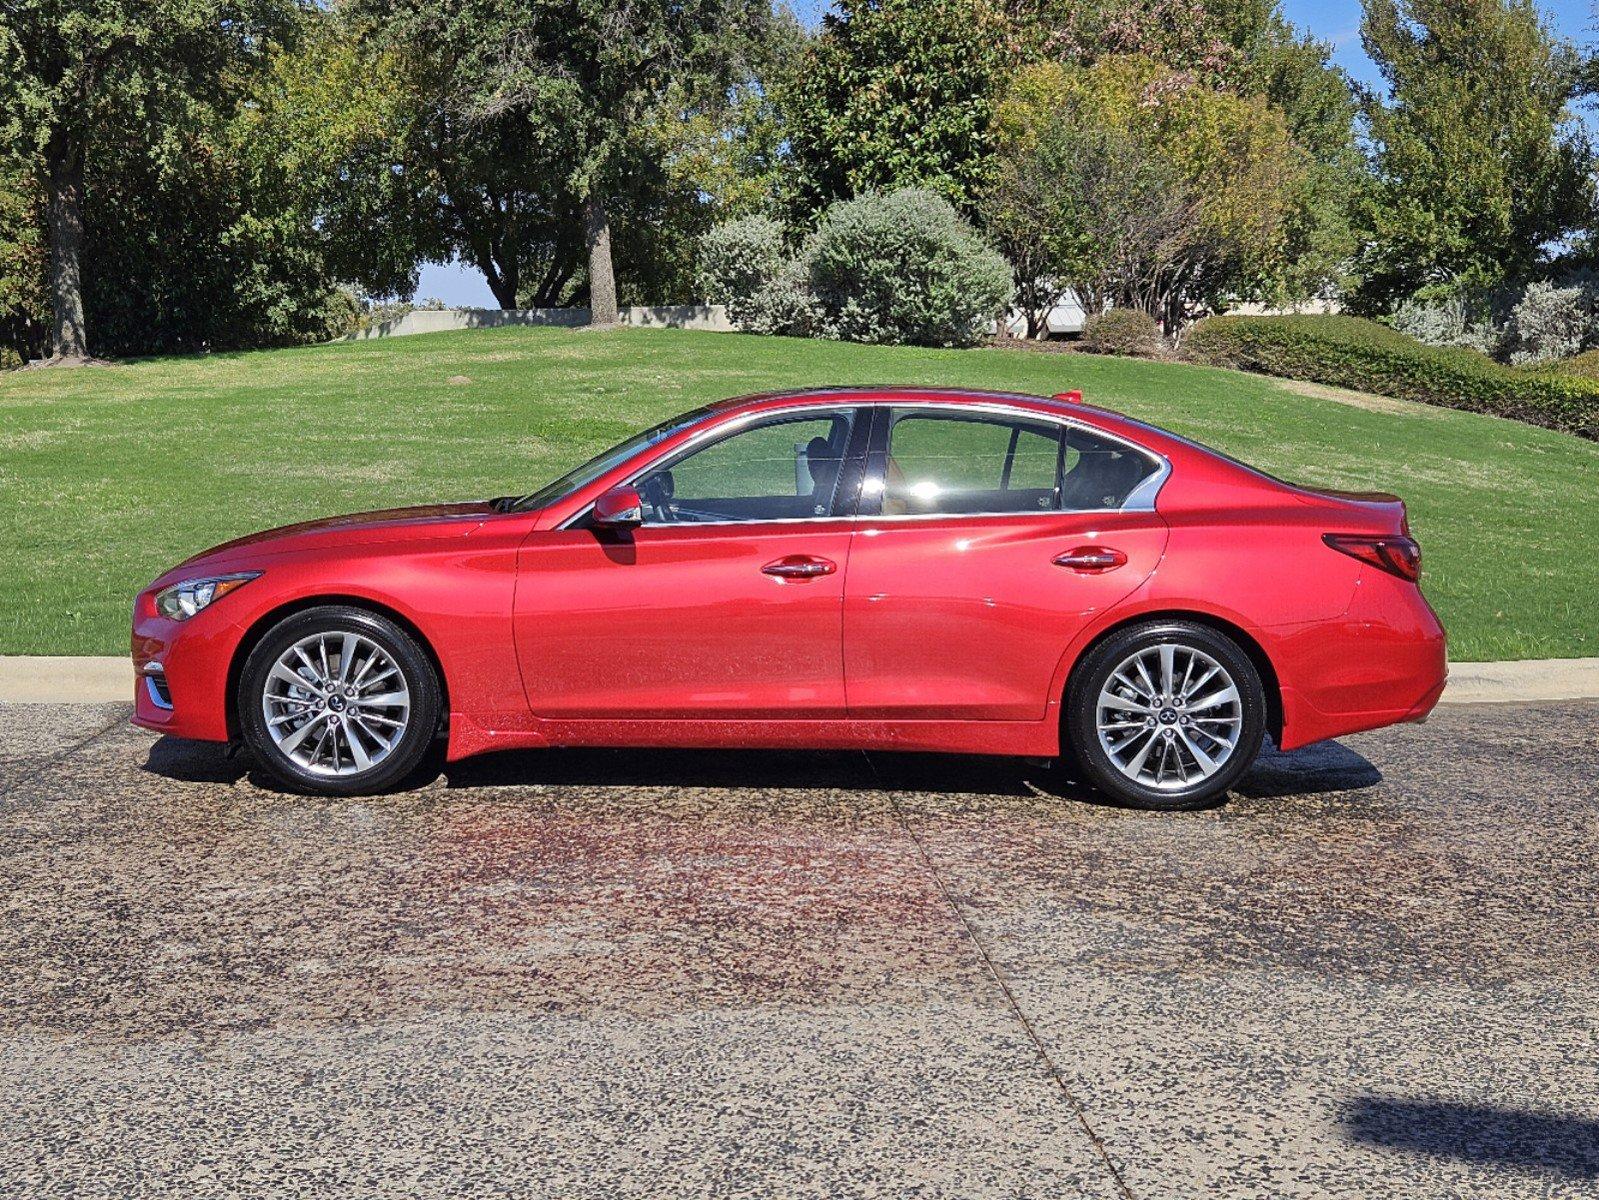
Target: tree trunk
<point>602,279</point>
<point>64,216</point>
<point>503,284</point>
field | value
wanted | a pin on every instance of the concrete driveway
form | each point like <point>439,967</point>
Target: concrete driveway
<point>1375,973</point>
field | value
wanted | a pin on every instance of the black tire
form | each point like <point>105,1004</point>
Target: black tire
<point>421,681</point>
<point>1093,762</point>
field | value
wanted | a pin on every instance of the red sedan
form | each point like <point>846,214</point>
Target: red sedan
<point>887,569</point>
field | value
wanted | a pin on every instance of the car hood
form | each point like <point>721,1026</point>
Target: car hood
<point>420,522</point>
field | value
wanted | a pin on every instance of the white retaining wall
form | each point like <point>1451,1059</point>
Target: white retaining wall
<point>436,320</point>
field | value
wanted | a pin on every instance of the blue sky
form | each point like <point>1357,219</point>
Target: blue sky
<point>1335,21</point>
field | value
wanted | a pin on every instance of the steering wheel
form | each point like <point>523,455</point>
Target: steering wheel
<point>657,492</point>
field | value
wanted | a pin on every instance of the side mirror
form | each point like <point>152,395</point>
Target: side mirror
<point>619,508</point>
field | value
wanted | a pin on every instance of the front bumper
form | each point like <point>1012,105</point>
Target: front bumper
<point>182,672</point>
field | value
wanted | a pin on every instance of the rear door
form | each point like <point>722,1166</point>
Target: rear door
<point>986,541</point>
<point>726,603</point>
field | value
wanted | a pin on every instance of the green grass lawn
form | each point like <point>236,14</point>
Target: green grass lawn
<point>108,476</point>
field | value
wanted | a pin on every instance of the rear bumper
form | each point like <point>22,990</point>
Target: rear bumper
<point>1384,664</point>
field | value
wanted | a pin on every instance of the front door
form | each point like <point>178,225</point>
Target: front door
<point>725,604</point>
<point>995,538</point>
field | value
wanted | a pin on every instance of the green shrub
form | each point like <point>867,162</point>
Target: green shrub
<point>737,259</point>
<point>785,306</point>
<point>1355,353</point>
<point>904,268</point>
<point>9,359</point>
<point>1550,323</point>
<point>1126,331</point>
<point>1584,366</point>
<point>1453,317</point>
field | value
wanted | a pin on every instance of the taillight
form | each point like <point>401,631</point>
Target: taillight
<point>1399,556</point>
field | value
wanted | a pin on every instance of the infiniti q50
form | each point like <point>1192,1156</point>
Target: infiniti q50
<point>893,569</point>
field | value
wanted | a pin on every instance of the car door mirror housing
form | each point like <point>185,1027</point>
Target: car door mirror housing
<point>619,508</point>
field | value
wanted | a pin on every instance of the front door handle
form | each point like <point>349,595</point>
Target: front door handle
<point>1091,560</point>
<point>800,566</point>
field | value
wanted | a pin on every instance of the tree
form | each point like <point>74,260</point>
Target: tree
<point>382,106</point>
<point>1167,195</point>
<point>898,93</point>
<point>734,154</point>
<point>1204,38</point>
<point>1295,75</point>
<point>567,85</point>
<point>24,267</point>
<point>71,69</point>
<point>1245,48</point>
<point>1479,164</point>
<point>1086,205</point>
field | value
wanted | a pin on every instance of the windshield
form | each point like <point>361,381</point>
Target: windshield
<point>601,463</point>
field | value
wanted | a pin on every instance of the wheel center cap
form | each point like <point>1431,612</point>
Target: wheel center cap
<point>1168,716</point>
<point>336,703</point>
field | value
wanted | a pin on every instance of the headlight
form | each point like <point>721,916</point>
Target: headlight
<point>182,600</point>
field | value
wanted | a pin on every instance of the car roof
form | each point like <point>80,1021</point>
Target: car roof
<point>885,394</point>
<point>1107,419</point>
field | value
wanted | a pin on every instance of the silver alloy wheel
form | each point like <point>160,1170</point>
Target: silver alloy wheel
<point>1169,716</point>
<point>336,703</point>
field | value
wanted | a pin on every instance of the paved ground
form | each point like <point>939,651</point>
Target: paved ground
<point>107,679</point>
<point>1374,974</point>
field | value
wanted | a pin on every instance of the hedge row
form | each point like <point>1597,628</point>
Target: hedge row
<point>1355,353</point>
<point>1585,365</point>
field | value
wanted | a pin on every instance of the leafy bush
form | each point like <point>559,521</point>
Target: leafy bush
<point>1585,365</point>
<point>1355,353</point>
<point>1127,331</point>
<point>785,305</point>
<point>743,265</point>
<point>893,268</point>
<point>904,268</point>
<point>1451,319</point>
<point>1550,323</point>
<point>738,259</point>
<point>1526,325</point>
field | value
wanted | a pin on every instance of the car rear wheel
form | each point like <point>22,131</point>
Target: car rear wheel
<point>338,700</point>
<point>1165,715</point>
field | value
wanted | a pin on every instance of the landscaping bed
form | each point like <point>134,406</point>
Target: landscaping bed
<point>1355,353</point>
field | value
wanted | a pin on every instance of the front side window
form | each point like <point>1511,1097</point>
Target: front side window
<point>954,463</point>
<point>779,470</point>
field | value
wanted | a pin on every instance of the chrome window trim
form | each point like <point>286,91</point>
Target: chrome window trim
<point>1140,499</point>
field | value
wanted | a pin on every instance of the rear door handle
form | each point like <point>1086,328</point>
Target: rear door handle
<point>799,566</point>
<point>1091,560</point>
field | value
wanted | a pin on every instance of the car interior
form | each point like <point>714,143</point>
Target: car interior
<point>959,464</point>
<point>785,470</point>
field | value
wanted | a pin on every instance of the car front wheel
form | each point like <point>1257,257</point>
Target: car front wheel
<point>1165,715</point>
<point>338,700</point>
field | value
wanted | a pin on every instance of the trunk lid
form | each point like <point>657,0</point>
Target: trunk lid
<point>1373,512</point>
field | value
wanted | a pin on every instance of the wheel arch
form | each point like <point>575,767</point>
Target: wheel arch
<point>263,624</point>
<point>1245,640</point>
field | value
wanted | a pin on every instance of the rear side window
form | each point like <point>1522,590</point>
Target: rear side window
<point>1098,473</point>
<point>952,462</point>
